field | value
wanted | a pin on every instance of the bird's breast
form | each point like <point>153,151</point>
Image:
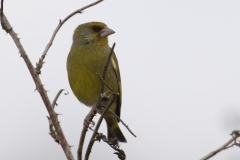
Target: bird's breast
<point>83,65</point>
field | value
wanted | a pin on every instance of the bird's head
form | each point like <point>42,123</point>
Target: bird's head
<point>91,32</point>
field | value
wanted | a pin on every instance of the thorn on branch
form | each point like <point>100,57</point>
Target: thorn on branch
<point>70,146</point>
<point>8,30</point>
<point>36,89</point>
<point>39,66</point>
<point>52,131</point>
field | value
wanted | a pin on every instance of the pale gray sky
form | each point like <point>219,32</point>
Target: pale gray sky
<point>179,63</point>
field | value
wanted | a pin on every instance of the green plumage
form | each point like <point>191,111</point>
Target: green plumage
<point>86,59</point>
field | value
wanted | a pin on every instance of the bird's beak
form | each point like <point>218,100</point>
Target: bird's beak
<point>106,32</point>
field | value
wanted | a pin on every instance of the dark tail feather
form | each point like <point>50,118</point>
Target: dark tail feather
<point>115,132</point>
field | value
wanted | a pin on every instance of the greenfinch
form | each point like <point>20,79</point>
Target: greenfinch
<point>87,57</point>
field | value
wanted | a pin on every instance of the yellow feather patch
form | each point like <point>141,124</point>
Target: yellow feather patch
<point>114,64</point>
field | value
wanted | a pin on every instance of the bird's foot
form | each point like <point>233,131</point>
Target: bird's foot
<point>113,142</point>
<point>96,109</point>
<point>88,124</point>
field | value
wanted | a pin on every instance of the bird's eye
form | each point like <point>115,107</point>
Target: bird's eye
<point>96,28</point>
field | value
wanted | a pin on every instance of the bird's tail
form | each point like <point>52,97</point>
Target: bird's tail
<point>114,131</point>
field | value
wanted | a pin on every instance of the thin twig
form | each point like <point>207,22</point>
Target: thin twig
<point>61,22</point>
<point>1,10</point>
<point>41,90</point>
<point>106,67</point>
<point>235,135</point>
<point>53,133</point>
<point>122,123</point>
<point>1,14</point>
<point>104,82</point>
<point>91,142</point>
<point>83,134</point>
<point>233,144</point>
<point>56,98</point>
<point>89,117</point>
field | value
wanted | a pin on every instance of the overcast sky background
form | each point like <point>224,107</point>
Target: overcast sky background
<point>180,69</point>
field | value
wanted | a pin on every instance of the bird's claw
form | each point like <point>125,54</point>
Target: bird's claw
<point>94,110</point>
<point>88,122</point>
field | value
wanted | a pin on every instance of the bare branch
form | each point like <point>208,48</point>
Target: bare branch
<point>104,82</point>
<point>91,142</point>
<point>61,22</point>
<point>1,14</point>
<point>56,98</point>
<point>106,67</point>
<point>40,88</point>
<point>35,72</point>
<point>235,135</point>
<point>83,134</point>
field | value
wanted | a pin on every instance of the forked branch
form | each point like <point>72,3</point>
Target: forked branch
<point>39,86</point>
<point>92,140</point>
<point>36,71</point>
<point>61,22</point>
<point>230,143</point>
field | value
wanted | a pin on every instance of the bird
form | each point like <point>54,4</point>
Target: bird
<point>86,59</point>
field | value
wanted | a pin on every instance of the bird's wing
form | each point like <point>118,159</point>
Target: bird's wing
<point>114,63</point>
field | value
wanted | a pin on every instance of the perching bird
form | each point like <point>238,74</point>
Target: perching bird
<point>86,59</point>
